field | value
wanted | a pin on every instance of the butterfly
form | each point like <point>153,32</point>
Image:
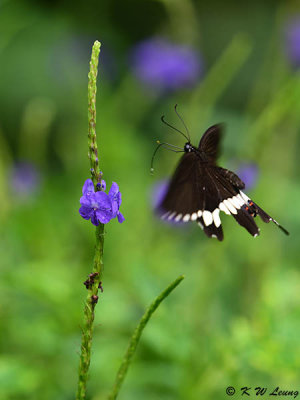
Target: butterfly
<point>200,189</point>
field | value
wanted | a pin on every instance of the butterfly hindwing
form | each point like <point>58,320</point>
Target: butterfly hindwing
<point>266,217</point>
<point>211,230</point>
<point>192,195</point>
<point>231,177</point>
<point>234,201</point>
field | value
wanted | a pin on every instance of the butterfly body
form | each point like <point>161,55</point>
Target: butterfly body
<point>199,190</point>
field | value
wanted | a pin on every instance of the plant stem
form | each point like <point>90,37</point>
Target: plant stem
<point>204,97</point>
<point>136,337</point>
<point>95,277</point>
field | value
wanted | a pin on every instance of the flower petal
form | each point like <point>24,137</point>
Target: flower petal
<point>115,196</point>
<point>88,187</point>
<point>115,208</point>
<point>88,200</point>
<point>119,199</point>
<point>120,217</point>
<point>85,212</point>
<point>104,216</point>
<point>113,190</point>
<point>94,219</point>
<point>103,200</point>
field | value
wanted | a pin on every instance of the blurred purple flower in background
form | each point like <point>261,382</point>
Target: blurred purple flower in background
<point>24,179</point>
<point>248,173</point>
<point>292,41</point>
<point>166,66</point>
<point>159,189</point>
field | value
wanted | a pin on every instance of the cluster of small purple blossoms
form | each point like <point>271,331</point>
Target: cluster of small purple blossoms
<point>248,173</point>
<point>165,66</point>
<point>100,207</point>
<point>25,179</point>
<point>292,41</point>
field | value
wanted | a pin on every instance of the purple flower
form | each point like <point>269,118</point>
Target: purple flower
<point>292,41</point>
<point>248,174</point>
<point>24,179</point>
<point>116,198</point>
<point>88,187</point>
<point>163,65</point>
<point>96,206</point>
<point>158,192</point>
<point>100,206</point>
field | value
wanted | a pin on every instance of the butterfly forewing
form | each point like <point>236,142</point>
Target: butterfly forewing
<point>210,142</point>
<point>182,197</point>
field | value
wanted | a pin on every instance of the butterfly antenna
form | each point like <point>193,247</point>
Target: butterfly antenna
<point>183,123</point>
<point>169,146</point>
<point>173,127</point>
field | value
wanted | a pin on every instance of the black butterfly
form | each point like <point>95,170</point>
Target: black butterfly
<point>199,189</point>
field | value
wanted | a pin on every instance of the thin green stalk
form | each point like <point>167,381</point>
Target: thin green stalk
<point>136,337</point>
<point>92,284</point>
<point>283,103</point>
<point>204,97</point>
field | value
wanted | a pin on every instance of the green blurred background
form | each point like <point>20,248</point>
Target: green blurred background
<point>235,319</point>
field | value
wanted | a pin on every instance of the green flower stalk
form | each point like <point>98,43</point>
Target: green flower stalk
<point>137,335</point>
<point>100,208</point>
<point>93,283</point>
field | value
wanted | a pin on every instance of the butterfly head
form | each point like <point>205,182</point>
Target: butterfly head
<point>188,147</point>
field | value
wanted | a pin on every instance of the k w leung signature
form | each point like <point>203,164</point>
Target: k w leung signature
<point>261,391</point>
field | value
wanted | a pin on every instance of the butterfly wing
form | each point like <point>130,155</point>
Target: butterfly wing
<point>210,142</point>
<point>199,190</point>
<point>192,196</point>
<point>181,198</point>
<point>238,204</point>
<point>234,201</point>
